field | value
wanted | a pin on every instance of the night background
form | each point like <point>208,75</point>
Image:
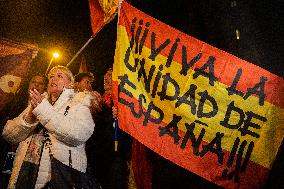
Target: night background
<point>64,25</point>
<point>58,25</point>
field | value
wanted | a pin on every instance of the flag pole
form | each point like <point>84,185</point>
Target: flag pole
<point>48,66</point>
<point>106,20</point>
<point>115,134</point>
<point>82,48</point>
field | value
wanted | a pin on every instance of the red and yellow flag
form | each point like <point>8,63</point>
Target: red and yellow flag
<point>15,59</point>
<point>208,111</point>
<point>101,13</point>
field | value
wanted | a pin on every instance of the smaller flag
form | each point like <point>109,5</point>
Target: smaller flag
<point>83,65</point>
<point>101,13</point>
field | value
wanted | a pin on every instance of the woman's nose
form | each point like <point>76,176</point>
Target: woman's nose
<point>53,79</point>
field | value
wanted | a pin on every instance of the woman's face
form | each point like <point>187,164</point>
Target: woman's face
<point>85,84</point>
<point>57,81</point>
<point>38,83</point>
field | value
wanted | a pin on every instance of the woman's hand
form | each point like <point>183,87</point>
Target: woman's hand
<point>36,98</point>
<point>114,112</point>
<point>96,102</point>
<point>30,117</point>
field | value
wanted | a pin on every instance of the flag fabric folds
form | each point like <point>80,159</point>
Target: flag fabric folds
<point>206,110</point>
<point>101,13</point>
<point>141,168</point>
<point>15,60</point>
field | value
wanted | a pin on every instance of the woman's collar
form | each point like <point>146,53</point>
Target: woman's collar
<point>64,96</point>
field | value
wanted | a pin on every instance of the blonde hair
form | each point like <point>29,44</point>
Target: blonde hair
<point>64,69</point>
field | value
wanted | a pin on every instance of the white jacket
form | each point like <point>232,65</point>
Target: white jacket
<point>67,132</point>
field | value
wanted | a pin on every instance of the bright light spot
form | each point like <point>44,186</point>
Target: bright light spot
<point>55,55</point>
<point>237,34</point>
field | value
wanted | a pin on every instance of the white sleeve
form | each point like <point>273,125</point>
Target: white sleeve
<point>74,129</point>
<point>18,129</point>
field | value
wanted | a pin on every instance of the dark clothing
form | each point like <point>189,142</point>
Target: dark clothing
<point>10,111</point>
<point>99,147</point>
<point>168,175</point>
<point>108,166</point>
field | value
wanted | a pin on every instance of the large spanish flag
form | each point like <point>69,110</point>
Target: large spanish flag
<point>208,111</point>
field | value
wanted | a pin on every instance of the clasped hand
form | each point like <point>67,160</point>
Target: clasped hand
<point>36,98</point>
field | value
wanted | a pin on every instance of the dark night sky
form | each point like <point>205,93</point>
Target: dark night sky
<point>62,25</point>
